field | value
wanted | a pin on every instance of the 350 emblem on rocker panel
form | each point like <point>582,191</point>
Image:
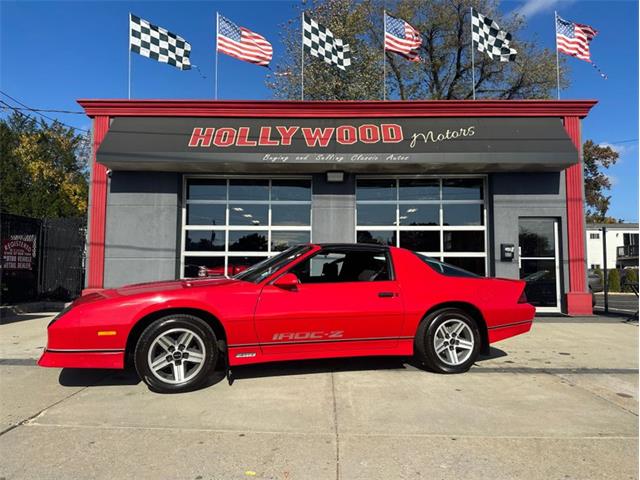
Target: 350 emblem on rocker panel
<point>318,335</point>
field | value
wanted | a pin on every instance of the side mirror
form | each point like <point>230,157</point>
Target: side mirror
<point>288,281</point>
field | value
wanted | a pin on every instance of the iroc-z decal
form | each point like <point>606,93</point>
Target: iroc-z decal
<point>317,335</point>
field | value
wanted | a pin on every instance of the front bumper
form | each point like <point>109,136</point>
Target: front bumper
<point>82,359</point>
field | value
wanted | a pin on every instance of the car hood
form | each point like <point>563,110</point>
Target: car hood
<point>151,288</point>
<point>157,287</point>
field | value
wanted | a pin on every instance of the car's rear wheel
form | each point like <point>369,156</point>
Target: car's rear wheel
<point>176,353</point>
<point>448,341</point>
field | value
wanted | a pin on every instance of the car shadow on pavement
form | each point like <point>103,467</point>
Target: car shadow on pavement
<point>87,377</point>
<point>83,377</point>
<point>493,353</point>
<point>354,364</point>
<point>306,367</point>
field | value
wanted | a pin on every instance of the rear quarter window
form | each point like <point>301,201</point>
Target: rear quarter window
<point>446,269</point>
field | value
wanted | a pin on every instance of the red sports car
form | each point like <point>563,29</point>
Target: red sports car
<point>310,301</point>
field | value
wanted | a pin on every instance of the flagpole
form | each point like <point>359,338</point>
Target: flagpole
<point>302,56</point>
<point>129,48</point>
<point>473,60</point>
<point>557,59</point>
<point>215,88</point>
<point>384,56</point>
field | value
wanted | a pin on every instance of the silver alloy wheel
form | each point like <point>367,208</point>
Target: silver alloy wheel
<point>176,356</point>
<point>453,342</point>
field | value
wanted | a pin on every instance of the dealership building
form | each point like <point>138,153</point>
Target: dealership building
<point>187,188</point>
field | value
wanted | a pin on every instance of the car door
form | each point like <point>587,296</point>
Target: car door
<point>347,299</point>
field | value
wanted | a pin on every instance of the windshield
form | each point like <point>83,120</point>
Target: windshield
<point>263,269</point>
<point>445,268</point>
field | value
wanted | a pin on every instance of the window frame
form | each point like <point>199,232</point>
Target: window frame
<point>226,228</point>
<point>441,255</point>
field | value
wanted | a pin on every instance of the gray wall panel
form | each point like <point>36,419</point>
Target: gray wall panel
<point>514,195</point>
<point>141,241</point>
<point>123,271</point>
<point>333,210</point>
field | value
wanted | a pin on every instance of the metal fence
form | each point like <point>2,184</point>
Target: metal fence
<point>615,287</point>
<point>41,258</point>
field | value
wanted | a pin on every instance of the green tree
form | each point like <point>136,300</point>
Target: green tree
<point>596,182</point>
<point>631,276</point>
<point>614,280</point>
<point>444,71</point>
<point>43,168</point>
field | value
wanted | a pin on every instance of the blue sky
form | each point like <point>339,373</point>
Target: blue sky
<point>53,53</point>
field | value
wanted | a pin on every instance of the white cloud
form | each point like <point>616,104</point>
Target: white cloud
<point>533,7</point>
<point>621,148</point>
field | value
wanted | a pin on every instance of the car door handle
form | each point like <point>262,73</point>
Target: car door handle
<point>387,294</point>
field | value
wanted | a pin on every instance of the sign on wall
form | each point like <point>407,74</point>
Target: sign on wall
<point>18,252</point>
<point>461,141</point>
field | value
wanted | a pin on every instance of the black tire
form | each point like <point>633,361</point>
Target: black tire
<point>173,327</point>
<point>426,334</point>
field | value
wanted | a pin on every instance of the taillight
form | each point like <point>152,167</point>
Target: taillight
<point>523,297</point>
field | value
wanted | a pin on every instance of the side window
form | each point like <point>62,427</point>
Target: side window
<point>336,265</point>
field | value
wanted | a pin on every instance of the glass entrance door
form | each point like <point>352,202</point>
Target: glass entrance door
<point>539,263</point>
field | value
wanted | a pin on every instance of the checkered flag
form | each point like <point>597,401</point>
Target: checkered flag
<point>158,43</point>
<point>320,42</point>
<point>488,37</point>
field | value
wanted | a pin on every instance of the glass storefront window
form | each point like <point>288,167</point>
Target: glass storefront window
<point>461,241</point>
<point>462,189</point>
<point>230,224</point>
<point>442,217</point>
<point>290,215</point>
<point>206,214</point>
<point>249,190</point>
<point>290,190</point>
<point>282,240</point>
<point>377,237</point>
<point>419,214</point>
<point>207,190</point>
<point>463,214</point>
<point>376,190</point>
<point>376,214</point>
<point>420,241</point>
<point>421,189</point>
<point>250,214</point>
<point>203,266</point>
<point>204,240</point>
<point>471,264</point>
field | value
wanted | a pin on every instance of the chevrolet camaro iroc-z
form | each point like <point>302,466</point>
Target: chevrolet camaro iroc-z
<point>308,302</point>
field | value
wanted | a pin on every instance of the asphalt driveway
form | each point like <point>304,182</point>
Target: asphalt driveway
<point>560,402</point>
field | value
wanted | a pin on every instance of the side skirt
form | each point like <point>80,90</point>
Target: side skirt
<point>246,355</point>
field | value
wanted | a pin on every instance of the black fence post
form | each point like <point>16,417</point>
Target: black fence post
<point>606,271</point>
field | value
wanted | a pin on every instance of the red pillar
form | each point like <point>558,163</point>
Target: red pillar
<point>578,297</point>
<point>97,209</point>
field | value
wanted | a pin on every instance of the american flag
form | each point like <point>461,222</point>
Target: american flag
<point>242,43</point>
<point>573,38</point>
<point>402,38</point>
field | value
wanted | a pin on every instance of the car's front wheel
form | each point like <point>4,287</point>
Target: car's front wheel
<point>448,341</point>
<point>176,353</point>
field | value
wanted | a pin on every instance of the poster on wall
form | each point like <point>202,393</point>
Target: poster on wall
<point>18,252</point>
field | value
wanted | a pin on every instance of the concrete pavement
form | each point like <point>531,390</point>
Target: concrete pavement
<point>559,402</point>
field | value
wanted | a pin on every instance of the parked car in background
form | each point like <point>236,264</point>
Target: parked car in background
<point>595,285</point>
